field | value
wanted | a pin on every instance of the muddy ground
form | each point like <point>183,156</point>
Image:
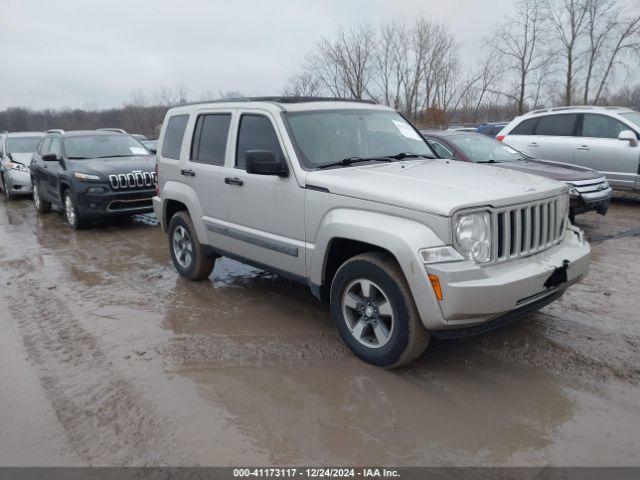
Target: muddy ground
<point>108,357</point>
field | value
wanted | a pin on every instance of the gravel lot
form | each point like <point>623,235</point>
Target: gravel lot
<point>108,357</point>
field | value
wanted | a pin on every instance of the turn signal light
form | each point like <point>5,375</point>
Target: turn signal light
<point>500,138</point>
<point>435,284</point>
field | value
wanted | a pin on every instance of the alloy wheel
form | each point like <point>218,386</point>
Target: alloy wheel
<point>368,313</point>
<point>182,246</point>
<point>36,196</point>
<point>69,209</point>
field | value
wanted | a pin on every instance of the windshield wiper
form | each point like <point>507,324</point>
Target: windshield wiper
<point>115,156</point>
<point>489,161</point>
<point>77,158</point>
<point>403,155</point>
<point>345,162</point>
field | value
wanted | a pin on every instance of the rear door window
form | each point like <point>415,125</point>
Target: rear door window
<point>601,126</point>
<point>256,133</point>
<point>557,125</point>
<point>210,139</point>
<point>525,128</point>
<point>173,136</point>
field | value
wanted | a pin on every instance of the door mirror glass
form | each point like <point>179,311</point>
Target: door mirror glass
<point>264,162</point>
<point>628,136</point>
<point>50,157</point>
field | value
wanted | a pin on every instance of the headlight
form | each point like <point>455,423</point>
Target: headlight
<point>440,255</point>
<point>86,176</point>
<point>473,236</point>
<point>15,166</point>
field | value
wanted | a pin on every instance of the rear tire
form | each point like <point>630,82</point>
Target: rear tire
<point>374,312</point>
<point>187,252</point>
<point>42,206</point>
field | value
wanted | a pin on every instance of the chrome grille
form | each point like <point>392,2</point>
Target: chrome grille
<point>523,230</point>
<point>137,179</point>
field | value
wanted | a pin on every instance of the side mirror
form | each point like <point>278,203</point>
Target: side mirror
<point>50,157</point>
<point>264,162</point>
<point>628,136</point>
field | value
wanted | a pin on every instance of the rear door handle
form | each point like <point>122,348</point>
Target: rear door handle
<point>188,173</point>
<point>584,147</point>
<point>534,144</point>
<point>233,181</point>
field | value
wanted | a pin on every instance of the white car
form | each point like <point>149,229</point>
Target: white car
<point>16,150</point>
<point>605,139</point>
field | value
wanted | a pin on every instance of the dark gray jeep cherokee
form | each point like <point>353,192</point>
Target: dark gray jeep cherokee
<point>92,175</point>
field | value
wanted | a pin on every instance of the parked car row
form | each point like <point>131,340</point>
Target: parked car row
<point>406,234</point>
<point>90,174</point>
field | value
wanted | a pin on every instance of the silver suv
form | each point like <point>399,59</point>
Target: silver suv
<point>16,150</point>
<point>346,198</point>
<point>602,138</point>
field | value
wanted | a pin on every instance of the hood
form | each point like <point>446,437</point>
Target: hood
<point>116,165</point>
<point>23,158</point>
<point>565,172</point>
<point>435,185</point>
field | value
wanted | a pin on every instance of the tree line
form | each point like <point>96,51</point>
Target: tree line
<point>548,53</point>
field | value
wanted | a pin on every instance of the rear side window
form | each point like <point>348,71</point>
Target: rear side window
<point>210,139</point>
<point>557,125</point>
<point>601,126</point>
<point>525,128</point>
<point>256,133</point>
<point>173,136</point>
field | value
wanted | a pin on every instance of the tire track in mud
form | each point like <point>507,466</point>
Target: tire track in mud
<point>106,419</point>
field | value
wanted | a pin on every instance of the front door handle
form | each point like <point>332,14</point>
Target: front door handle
<point>233,181</point>
<point>534,144</point>
<point>188,173</point>
<point>584,147</point>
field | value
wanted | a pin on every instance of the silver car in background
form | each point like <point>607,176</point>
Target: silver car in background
<point>16,150</point>
<point>605,139</point>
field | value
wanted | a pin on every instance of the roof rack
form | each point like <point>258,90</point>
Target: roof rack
<point>576,107</point>
<point>116,130</point>
<point>55,130</point>
<point>283,99</point>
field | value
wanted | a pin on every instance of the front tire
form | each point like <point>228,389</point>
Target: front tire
<point>374,312</point>
<point>74,219</point>
<point>7,193</point>
<point>187,252</point>
<point>42,206</point>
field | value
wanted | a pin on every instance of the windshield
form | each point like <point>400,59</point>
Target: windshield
<point>480,148</point>
<point>22,144</point>
<point>99,146</point>
<point>327,136</point>
<point>633,117</point>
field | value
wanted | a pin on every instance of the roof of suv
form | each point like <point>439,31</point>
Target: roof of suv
<point>286,104</point>
<point>579,109</point>
<point>22,134</point>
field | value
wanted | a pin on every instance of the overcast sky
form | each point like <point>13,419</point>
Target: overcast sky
<point>87,53</point>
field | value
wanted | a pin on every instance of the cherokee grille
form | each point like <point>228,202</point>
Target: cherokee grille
<point>133,180</point>
<point>527,229</point>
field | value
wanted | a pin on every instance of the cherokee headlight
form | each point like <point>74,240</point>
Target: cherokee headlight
<point>473,236</point>
<point>86,176</point>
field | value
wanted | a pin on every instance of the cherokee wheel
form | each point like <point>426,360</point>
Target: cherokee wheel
<point>74,219</point>
<point>42,206</point>
<point>187,253</point>
<point>374,311</point>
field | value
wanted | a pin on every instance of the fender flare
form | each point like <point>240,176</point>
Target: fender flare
<point>186,195</point>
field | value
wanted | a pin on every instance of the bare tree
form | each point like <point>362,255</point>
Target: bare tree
<point>517,42</point>
<point>625,36</point>
<point>568,19</point>
<point>303,84</point>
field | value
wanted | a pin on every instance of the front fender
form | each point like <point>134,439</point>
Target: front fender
<point>186,195</point>
<point>402,237</point>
